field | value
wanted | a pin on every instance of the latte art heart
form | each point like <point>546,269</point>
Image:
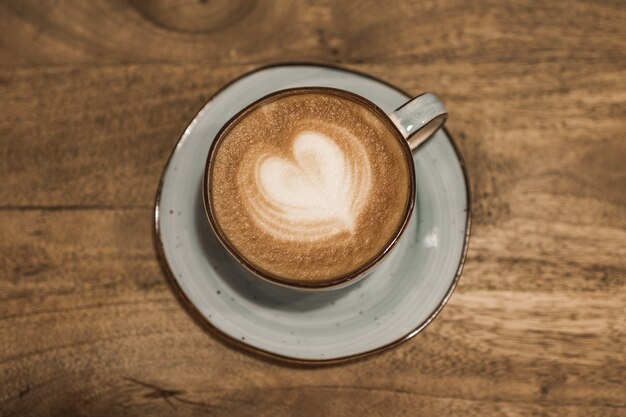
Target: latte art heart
<point>316,194</point>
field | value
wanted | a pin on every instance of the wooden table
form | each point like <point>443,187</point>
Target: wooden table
<point>94,95</point>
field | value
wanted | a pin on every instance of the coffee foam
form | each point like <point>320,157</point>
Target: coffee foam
<point>315,194</point>
<point>309,186</point>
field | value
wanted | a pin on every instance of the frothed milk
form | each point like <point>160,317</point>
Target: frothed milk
<point>309,186</point>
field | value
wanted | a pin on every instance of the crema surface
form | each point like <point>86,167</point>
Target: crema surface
<point>309,186</point>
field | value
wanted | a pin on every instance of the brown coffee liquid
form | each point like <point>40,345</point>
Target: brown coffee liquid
<point>309,186</point>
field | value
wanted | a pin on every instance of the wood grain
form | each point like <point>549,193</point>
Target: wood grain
<point>94,97</point>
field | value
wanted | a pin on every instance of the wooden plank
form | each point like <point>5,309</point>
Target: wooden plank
<point>100,136</point>
<point>87,314</point>
<point>103,32</point>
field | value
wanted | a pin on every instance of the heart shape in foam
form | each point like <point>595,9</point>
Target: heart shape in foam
<point>318,194</point>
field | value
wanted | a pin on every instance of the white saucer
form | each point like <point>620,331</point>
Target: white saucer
<point>390,306</point>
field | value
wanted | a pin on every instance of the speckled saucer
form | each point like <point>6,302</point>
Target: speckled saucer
<point>386,308</point>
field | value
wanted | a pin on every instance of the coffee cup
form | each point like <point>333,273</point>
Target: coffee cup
<point>311,188</point>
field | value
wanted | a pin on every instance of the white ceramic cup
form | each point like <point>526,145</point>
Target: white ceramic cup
<point>413,124</point>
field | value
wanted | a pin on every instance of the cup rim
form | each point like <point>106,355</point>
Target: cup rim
<point>341,280</point>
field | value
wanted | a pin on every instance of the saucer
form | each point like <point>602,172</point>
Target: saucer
<point>389,306</point>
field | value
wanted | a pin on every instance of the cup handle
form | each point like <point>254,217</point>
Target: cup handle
<point>418,119</point>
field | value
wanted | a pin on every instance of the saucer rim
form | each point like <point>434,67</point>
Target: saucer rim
<point>242,346</point>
